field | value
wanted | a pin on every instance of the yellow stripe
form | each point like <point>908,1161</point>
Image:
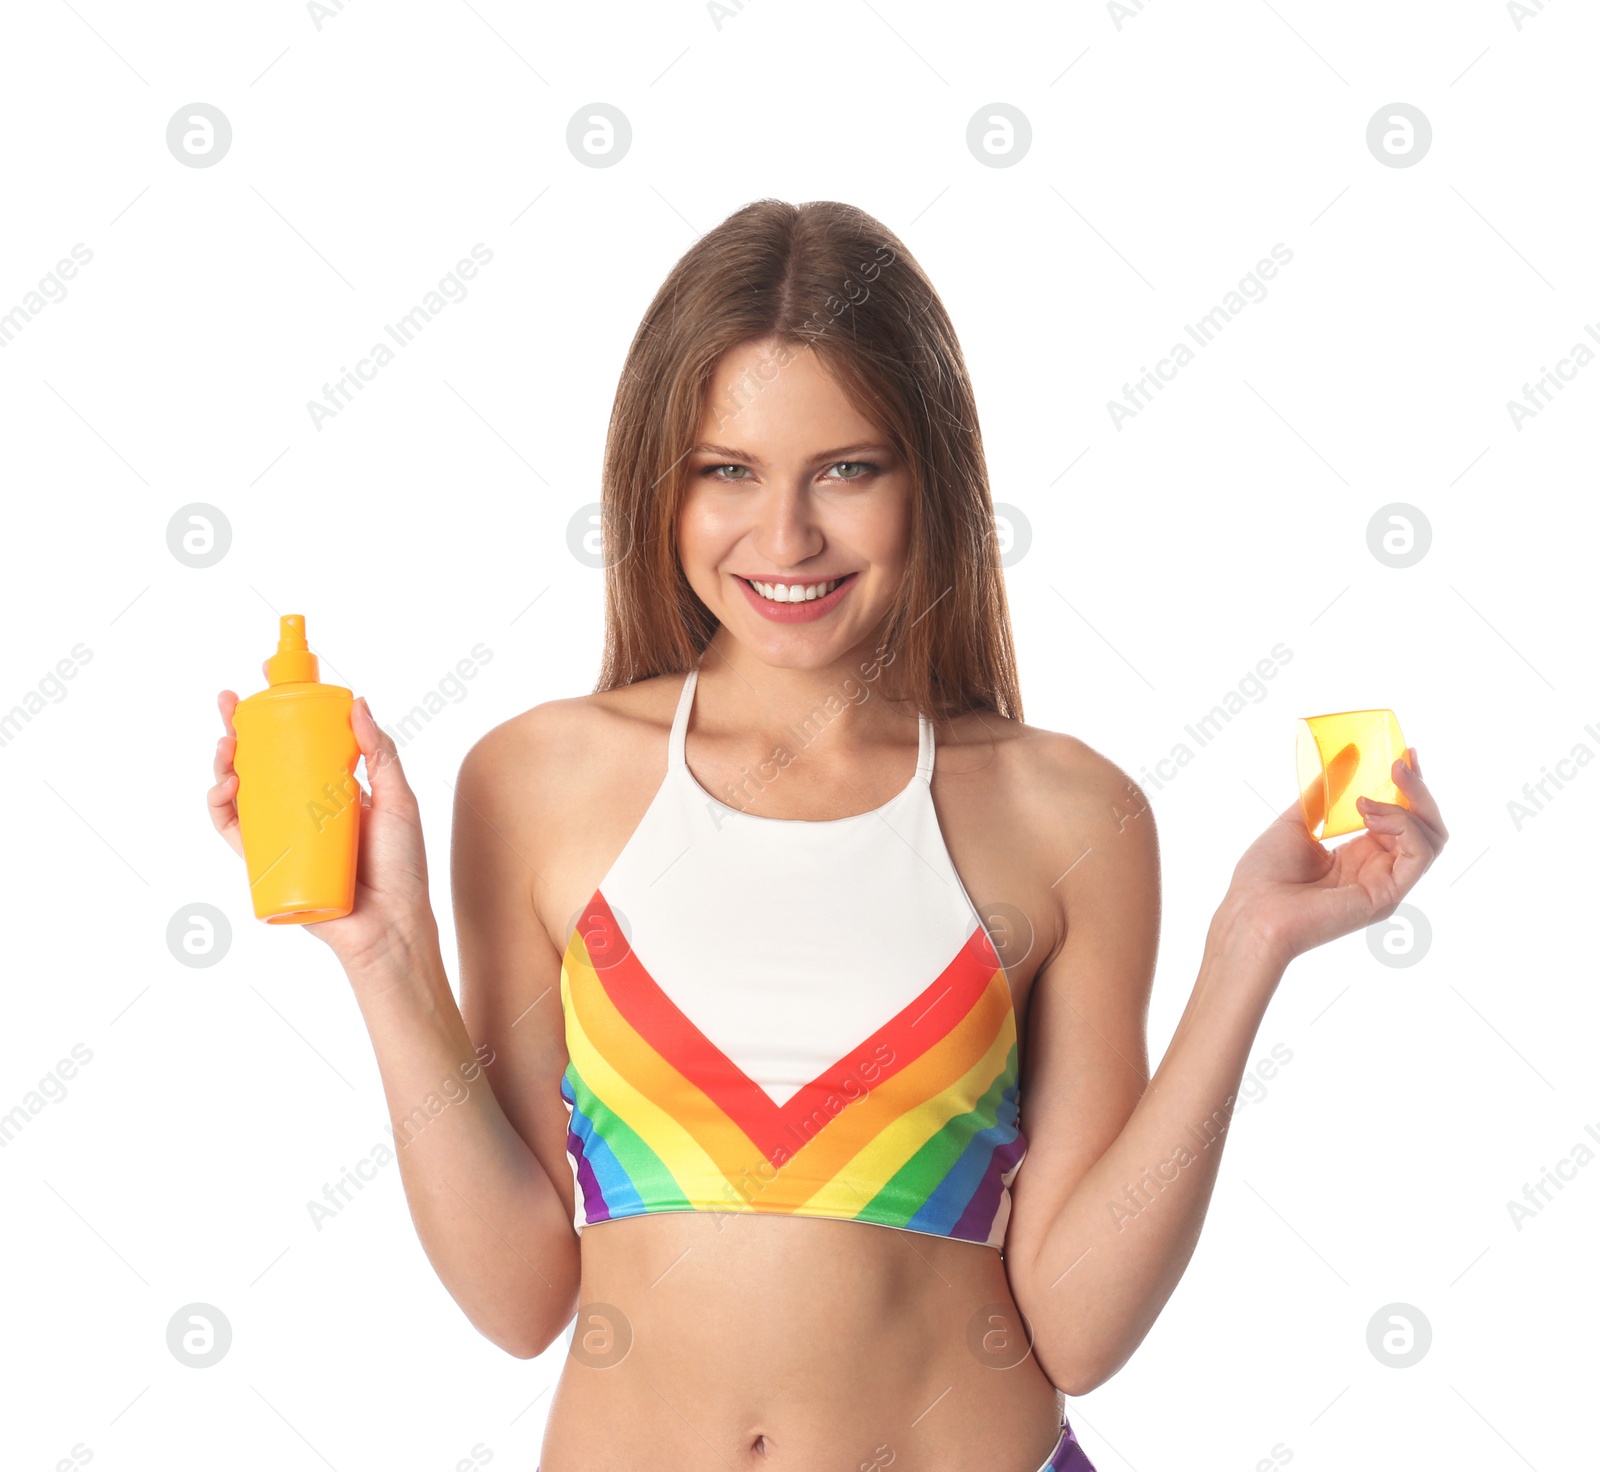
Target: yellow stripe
<point>872,1137</point>
<point>837,1171</point>
<point>628,1077</point>
<point>861,1177</point>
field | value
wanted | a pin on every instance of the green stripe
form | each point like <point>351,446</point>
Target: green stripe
<point>920,1176</point>
<point>656,1185</point>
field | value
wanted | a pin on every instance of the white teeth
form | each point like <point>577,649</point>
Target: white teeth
<point>795,592</point>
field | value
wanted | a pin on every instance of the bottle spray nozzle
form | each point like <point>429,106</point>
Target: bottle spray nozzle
<point>294,660</point>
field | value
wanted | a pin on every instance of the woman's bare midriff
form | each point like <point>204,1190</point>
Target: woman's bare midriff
<point>761,1340</point>
<point>755,1340</point>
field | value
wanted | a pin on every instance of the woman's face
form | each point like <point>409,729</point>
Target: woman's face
<point>789,485</point>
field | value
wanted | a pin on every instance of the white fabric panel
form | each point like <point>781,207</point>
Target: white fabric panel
<point>788,942</point>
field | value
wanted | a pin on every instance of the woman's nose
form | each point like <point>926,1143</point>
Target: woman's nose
<point>786,530</point>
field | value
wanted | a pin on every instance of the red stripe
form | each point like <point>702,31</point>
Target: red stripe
<point>924,1022</point>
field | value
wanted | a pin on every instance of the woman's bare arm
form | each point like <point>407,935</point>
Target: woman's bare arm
<point>1107,1223</point>
<point>1106,1227</point>
<point>478,1163</point>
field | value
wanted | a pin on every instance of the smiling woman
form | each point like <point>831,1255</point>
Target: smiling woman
<point>778,1021</point>
<point>776,313</point>
<point>816,1163</point>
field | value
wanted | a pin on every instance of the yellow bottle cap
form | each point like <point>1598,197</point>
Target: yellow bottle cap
<point>294,661</point>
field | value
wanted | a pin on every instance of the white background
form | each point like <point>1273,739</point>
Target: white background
<point>1169,154</point>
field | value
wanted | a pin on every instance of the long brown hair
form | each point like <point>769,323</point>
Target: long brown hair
<point>830,277</point>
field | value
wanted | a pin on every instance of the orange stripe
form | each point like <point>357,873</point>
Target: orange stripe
<point>917,1027</point>
<point>928,1080</point>
<point>803,1166</point>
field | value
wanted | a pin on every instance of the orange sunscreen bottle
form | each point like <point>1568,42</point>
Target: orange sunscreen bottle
<point>299,801</point>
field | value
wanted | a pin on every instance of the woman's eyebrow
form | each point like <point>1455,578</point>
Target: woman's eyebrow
<point>835,454</point>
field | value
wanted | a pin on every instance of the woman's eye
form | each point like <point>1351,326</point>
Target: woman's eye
<point>862,469</point>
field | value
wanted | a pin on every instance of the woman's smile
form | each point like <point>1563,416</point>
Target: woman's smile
<point>796,602</point>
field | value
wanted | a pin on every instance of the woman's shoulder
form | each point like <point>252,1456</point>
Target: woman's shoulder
<point>1030,762</point>
<point>1053,799</point>
<point>560,741</point>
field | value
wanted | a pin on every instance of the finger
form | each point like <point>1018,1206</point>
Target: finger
<point>387,781</point>
<point>222,807</point>
<point>222,761</point>
<point>1415,843</point>
<point>1341,771</point>
<point>1418,799</point>
<point>226,700</point>
<point>1310,804</point>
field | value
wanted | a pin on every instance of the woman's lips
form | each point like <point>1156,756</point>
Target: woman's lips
<point>798,613</point>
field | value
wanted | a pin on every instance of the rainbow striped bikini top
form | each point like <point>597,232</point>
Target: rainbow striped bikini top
<point>790,1016</point>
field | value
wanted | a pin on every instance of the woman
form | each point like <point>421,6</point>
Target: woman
<point>753,1050</point>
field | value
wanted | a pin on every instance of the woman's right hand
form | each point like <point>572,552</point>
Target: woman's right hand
<point>392,909</point>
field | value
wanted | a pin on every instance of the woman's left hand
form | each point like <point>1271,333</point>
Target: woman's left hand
<point>1293,894</point>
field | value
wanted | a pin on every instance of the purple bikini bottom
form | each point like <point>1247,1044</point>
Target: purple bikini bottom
<point>1068,1456</point>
